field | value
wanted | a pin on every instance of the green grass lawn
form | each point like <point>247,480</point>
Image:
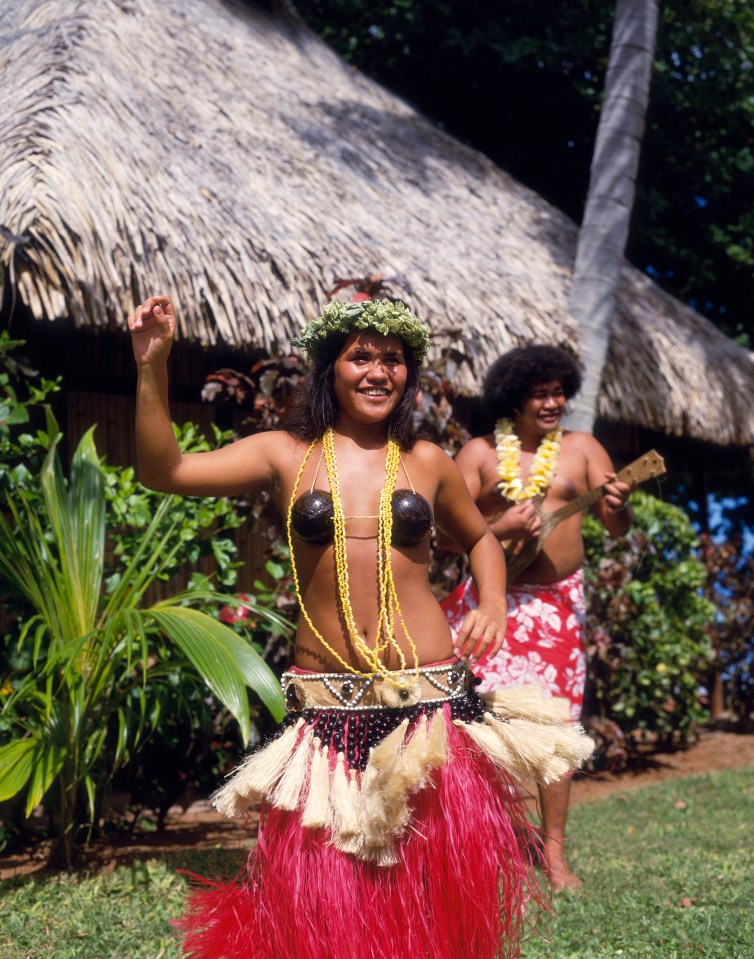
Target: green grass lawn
<point>668,874</point>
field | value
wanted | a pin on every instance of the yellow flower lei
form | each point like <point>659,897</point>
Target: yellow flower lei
<point>389,606</point>
<point>544,464</point>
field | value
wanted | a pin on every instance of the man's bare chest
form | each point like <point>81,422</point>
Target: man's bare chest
<point>566,485</point>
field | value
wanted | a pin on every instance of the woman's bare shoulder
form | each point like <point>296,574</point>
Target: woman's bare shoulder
<point>280,441</point>
<point>430,453</point>
<point>281,449</point>
<point>275,452</point>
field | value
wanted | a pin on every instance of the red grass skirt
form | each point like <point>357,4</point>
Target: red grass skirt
<point>459,890</point>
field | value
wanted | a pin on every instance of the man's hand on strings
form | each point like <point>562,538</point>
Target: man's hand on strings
<point>519,522</point>
<point>616,493</point>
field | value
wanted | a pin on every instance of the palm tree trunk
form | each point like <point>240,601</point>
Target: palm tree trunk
<point>63,853</point>
<point>612,186</point>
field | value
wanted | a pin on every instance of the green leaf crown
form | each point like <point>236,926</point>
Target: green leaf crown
<point>382,316</point>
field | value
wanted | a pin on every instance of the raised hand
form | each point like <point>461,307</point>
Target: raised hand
<point>152,327</point>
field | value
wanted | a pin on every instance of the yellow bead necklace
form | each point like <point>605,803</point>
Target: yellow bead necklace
<point>389,605</point>
<point>543,466</point>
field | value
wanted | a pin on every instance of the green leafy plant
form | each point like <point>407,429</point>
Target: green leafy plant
<point>196,739</point>
<point>96,645</point>
<point>23,393</point>
<point>647,630</point>
<point>730,586</point>
<point>204,526</point>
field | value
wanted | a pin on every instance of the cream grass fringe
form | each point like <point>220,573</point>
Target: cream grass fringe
<point>524,731</point>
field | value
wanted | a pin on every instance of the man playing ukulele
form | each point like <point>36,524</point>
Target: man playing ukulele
<point>530,464</point>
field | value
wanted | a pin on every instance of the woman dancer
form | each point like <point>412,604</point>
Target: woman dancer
<point>391,824</point>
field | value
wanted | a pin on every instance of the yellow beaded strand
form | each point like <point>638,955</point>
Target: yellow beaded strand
<point>389,604</point>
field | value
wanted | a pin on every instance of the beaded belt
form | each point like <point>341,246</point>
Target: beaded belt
<point>348,691</point>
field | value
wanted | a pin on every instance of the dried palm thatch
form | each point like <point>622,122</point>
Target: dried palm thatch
<point>226,156</point>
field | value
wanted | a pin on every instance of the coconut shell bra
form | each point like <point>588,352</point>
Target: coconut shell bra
<point>312,517</point>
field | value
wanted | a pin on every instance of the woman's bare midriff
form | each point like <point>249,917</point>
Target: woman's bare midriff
<point>419,610</point>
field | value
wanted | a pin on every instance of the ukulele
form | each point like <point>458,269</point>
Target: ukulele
<point>522,554</point>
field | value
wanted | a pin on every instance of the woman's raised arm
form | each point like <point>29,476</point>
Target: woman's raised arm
<point>241,467</point>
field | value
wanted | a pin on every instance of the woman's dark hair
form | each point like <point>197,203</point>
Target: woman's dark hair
<point>315,408</point>
<point>512,377</point>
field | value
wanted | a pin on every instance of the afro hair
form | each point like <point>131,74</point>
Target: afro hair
<point>513,376</point>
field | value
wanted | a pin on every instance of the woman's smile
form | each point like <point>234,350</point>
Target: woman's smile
<point>375,391</point>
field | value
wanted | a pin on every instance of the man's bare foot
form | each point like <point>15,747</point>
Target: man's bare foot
<point>561,877</point>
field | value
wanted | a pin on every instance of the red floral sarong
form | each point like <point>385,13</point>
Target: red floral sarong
<point>544,640</point>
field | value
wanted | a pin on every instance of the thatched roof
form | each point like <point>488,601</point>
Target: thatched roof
<point>226,156</point>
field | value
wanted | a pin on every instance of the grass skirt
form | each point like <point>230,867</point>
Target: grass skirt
<point>422,849</point>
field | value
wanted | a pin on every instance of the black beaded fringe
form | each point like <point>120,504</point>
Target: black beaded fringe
<point>355,732</point>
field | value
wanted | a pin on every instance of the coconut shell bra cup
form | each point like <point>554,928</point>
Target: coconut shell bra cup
<point>312,517</point>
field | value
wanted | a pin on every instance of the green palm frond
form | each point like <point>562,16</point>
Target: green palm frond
<point>75,512</point>
<point>82,712</point>
<point>226,662</point>
<point>16,766</point>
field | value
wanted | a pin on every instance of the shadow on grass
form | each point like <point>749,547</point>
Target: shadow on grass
<point>211,863</point>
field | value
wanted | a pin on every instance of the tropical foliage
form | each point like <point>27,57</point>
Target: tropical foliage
<point>730,586</point>
<point>97,663</point>
<point>648,627</point>
<point>22,393</point>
